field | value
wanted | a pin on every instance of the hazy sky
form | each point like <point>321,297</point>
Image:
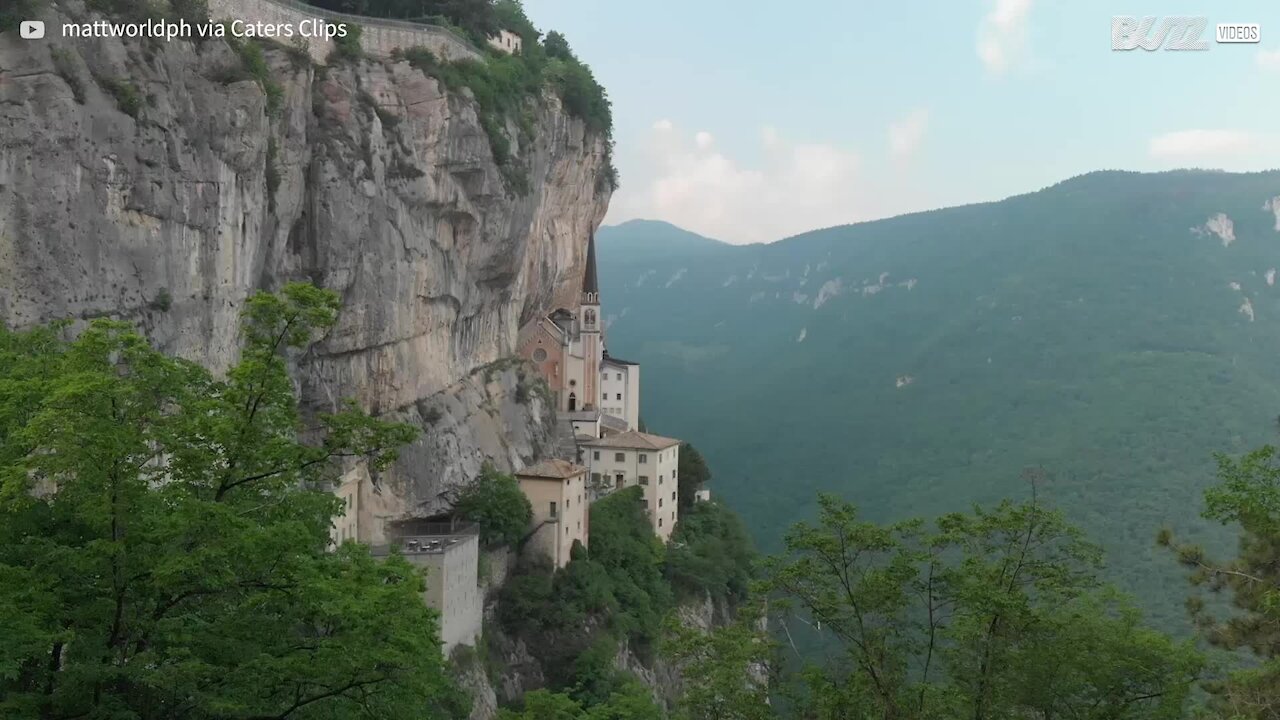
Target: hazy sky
<point>749,121</point>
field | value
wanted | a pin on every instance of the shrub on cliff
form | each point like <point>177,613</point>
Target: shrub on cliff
<point>494,500</point>
<point>710,553</point>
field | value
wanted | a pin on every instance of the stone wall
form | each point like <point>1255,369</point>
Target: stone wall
<point>378,37</point>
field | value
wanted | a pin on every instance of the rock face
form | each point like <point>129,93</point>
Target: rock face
<point>367,178</point>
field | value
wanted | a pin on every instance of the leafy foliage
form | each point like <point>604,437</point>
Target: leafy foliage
<point>164,537</point>
<point>347,48</point>
<point>694,474</point>
<point>631,702</point>
<point>993,614</point>
<point>710,553</point>
<point>615,589</point>
<point>724,669</point>
<point>494,500</point>
<point>1247,496</point>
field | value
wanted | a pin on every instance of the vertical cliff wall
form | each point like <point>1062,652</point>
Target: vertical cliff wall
<point>137,182</point>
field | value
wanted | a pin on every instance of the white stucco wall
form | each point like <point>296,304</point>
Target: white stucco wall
<point>452,588</point>
<point>620,392</point>
<point>556,535</point>
<point>659,468</point>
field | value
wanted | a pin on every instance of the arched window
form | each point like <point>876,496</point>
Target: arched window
<point>573,402</point>
<point>590,318</point>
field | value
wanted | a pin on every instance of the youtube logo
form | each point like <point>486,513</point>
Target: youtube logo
<point>31,29</point>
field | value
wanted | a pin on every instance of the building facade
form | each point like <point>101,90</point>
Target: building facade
<point>620,390</point>
<point>557,491</point>
<point>450,556</point>
<point>635,458</point>
<point>506,41</point>
<point>568,349</point>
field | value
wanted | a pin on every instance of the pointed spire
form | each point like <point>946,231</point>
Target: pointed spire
<point>590,284</point>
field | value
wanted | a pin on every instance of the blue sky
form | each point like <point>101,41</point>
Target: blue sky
<point>748,121</point>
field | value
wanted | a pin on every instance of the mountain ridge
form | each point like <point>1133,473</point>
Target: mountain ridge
<point>1114,328</point>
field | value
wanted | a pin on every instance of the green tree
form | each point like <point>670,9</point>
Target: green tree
<point>557,46</point>
<point>993,614</point>
<point>1247,495</point>
<point>164,537</point>
<point>495,501</point>
<point>710,553</point>
<point>631,702</point>
<point>693,473</point>
<point>725,670</point>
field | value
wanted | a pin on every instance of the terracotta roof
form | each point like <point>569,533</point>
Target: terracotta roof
<point>553,469</point>
<point>634,440</point>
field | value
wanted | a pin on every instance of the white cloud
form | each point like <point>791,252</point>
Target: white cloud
<point>689,180</point>
<point>1215,148</point>
<point>906,134</point>
<point>1002,34</point>
<point>1268,60</point>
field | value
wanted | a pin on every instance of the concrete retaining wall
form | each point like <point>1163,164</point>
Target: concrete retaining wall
<point>378,37</point>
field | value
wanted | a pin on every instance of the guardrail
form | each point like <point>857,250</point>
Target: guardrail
<point>368,21</point>
<point>379,37</point>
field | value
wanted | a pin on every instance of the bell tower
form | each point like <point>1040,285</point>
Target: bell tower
<point>590,323</point>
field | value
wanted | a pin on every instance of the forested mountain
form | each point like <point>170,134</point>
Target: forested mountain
<point>1115,330</point>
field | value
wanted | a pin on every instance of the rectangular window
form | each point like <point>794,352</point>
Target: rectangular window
<point>619,479</point>
<point>619,457</point>
<point>595,478</point>
<point>659,479</point>
<point>619,396</point>
<point>553,509</point>
<point>673,494</point>
<point>619,376</point>
<point>595,455</point>
<point>659,502</point>
<point>643,458</point>
<point>644,479</point>
<point>659,522</point>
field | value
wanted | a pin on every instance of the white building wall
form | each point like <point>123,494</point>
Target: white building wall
<point>659,468</point>
<point>453,589</point>
<point>573,384</point>
<point>556,534</point>
<point>620,393</point>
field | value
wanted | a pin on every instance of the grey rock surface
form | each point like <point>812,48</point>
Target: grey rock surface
<point>370,179</point>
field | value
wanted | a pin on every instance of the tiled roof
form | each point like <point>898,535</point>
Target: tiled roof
<point>553,469</point>
<point>635,440</point>
<point>611,360</point>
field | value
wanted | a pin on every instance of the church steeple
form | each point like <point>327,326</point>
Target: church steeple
<point>590,282</point>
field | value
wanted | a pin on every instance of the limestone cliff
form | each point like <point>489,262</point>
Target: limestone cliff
<point>136,182</point>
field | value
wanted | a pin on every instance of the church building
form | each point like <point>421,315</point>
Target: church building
<point>568,348</point>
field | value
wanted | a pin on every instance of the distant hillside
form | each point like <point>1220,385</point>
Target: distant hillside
<point>1116,329</point>
<point>637,239</point>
